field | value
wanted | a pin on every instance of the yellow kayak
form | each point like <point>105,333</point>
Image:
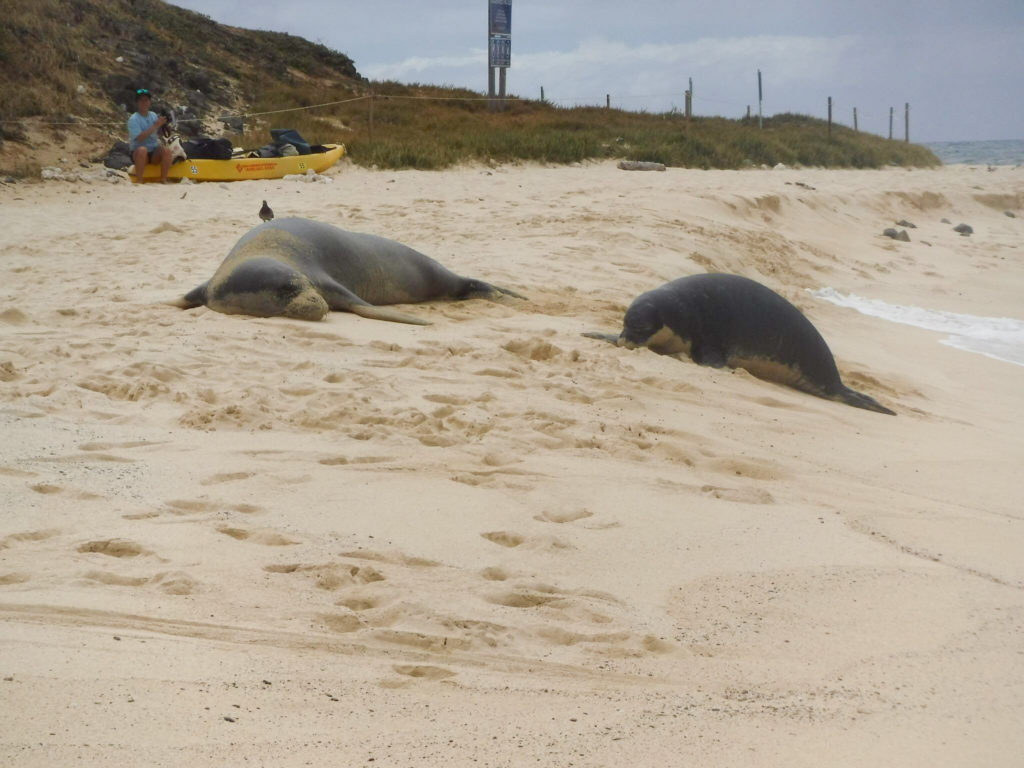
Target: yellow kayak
<point>242,168</point>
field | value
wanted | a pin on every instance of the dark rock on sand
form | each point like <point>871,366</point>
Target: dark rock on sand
<point>964,229</point>
<point>897,235</point>
<point>905,223</point>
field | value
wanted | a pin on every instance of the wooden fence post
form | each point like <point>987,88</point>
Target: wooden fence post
<point>607,101</point>
<point>855,118</point>
<point>906,121</point>
<point>542,94</point>
<point>890,123</point>
<point>830,117</point>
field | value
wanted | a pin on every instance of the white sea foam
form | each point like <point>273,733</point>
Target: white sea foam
<point>998,337</point>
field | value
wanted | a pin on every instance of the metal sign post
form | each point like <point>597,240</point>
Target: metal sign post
<point>760,119</point>
<point>499,48</point>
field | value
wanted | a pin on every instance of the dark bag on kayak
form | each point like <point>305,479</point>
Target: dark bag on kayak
<point>290,136</point>
<point>204,148</point>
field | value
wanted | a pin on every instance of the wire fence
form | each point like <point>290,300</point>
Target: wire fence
<point>580,101</point>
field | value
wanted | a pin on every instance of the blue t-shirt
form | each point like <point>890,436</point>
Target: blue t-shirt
<point>136,125</point>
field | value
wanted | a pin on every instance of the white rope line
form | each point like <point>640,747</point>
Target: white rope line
<point>196,119</point>
<point>295,109</point>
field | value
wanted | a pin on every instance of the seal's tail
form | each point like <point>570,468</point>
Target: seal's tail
<point>860,400</point>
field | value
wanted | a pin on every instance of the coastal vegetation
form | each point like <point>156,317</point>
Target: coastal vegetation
<point>68,70</point>
<point>417,126</point>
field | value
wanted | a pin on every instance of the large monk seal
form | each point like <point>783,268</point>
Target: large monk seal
<point>301,268</point>
<point>721,320</point>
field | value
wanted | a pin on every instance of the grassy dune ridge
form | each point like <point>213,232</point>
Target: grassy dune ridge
<point>82,60</point>
<point>417,126</point>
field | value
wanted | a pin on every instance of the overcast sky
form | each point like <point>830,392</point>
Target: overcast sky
<point>960,63</point>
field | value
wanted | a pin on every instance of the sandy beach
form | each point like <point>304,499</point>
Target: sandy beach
<point>490,541</point>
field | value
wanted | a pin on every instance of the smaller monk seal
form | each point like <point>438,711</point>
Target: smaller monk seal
<point>302,268</point>
<point>721,320</point>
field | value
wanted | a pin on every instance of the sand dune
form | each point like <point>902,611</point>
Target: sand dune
<point>491,540</point>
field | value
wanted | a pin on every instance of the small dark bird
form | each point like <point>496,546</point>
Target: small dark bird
<point>265,213</point>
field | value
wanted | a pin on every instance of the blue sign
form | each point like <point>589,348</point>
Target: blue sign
<point>500,17</point>
<point>500,51</point>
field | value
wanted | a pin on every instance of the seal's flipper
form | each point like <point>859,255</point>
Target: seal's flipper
<point>194,298</point>
<point>509,292</point>
<point>611,338</point>
<point>383,313</point>
<point>478,289</point>
<point>341,299</point>
<point>706,354</point>
<point>860,400</point>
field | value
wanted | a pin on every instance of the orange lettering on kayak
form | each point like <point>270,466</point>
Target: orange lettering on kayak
<point>248,167</point>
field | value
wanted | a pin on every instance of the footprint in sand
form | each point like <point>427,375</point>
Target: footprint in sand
<point>424,672</point>
<point>334,461</point>
<point>741,495</point>
<point>46,488</point>
<point>111,446</point>
<point>513,540</point>
<point>27,536</point>
<point>494,574</point>
<point>395,558</point>
<point>330,576</point>
<point>504,538</point>
<point>78,458</point>
<point>346,622</point>
<point>116,579</point>
<point>168,582</point>
<point>114,548</point>
<point>226,477</point>
<point>187,507</point>
<point>563,516</point>
<point>559,636</point>
<point>755,469</point>
<point>360,602</point>
<point>523,598</point>
<point>13,472</point>
<point>268,538</point>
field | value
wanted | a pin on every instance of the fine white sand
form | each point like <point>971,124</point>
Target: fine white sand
<point>227,540</point>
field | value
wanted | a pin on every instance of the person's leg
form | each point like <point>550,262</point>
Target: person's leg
<point>164,155</point>
<point>140,157</point>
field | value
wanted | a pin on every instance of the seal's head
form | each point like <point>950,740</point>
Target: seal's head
<point>642,321</point>
<point>266,287</point>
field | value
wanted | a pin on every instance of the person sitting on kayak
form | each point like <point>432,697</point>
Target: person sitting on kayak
<point>142,138</point>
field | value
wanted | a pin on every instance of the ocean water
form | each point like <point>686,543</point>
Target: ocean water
<point>1010,152</point>
<point>999,337</point>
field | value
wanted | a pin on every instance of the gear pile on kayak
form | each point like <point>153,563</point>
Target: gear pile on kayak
<point>216,160</point>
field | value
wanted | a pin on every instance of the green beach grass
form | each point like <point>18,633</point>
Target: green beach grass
<point>426,127</point>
